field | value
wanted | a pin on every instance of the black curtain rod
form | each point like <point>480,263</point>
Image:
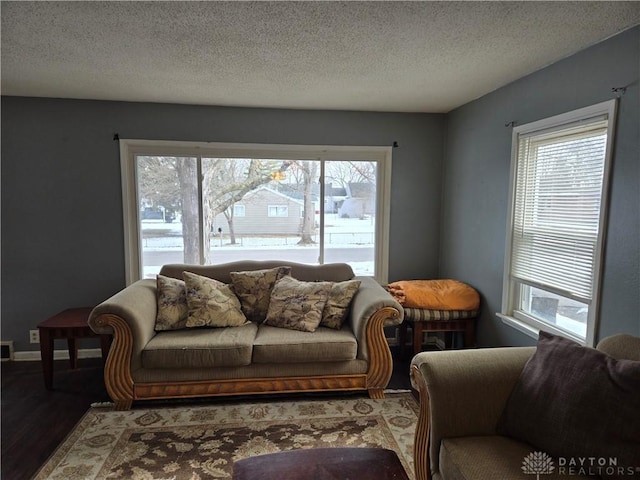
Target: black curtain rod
<point>117,137</point>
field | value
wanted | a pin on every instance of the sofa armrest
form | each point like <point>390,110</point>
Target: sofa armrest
<point>462,393</point>
<point>372,298</point>
<point>130,317</point>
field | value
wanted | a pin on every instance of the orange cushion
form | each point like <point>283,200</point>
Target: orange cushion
<point>435,294</point>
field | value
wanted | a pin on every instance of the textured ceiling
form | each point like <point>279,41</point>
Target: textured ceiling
<point>380,56</point>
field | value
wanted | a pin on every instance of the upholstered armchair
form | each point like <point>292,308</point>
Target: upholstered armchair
<point>464,395</point>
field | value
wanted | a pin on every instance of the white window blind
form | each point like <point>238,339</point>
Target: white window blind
<point>558,192</point>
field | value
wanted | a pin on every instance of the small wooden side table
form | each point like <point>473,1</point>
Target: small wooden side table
<point>70,324</point>
<point>322,464</point>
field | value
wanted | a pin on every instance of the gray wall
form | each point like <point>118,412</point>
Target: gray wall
<point>476,180</point>
<point>62,232</point>
<point>62,238</point>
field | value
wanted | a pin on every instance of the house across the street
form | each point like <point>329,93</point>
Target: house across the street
<point>264,211</point>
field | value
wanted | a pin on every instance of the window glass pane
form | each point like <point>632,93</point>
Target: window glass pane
<point>273,224</point>
<point>350,214</point>
<point>168,206</point>
<point>562,312</point>
<point>278,211</point>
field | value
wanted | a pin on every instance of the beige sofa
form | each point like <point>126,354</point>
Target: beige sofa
<point>252,359</point>
<point>464,396</point>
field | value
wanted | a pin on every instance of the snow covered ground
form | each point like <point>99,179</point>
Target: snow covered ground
<point>340,234</point>
<point>338,231</point>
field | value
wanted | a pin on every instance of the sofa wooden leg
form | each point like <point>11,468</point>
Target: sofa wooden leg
<point>418,337</point>
<point>123,404</point>
<point>376,392</point>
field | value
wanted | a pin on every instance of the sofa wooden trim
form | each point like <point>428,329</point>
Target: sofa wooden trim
<point>117,369</point>
<point>248,386</point>
<point>422,435</point>
<point>380,360</point>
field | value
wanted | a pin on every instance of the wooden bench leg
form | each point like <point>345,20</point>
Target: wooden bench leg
<point>418,334</point>
<point>402,334</point>
<point>470,334</point>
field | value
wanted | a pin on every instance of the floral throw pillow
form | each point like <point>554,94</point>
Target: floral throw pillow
<point>172,304</point>
<point>337,307</point>
<point>297,305</point>
<point>253,288</point>
<point>211,303</point>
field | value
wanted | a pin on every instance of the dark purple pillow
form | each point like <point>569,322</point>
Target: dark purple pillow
<point>577,402</point>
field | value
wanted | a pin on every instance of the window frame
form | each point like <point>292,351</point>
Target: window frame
<point>239,210</point>
<point>131,148</point>
<point>278,208</point>
<point>510,314</point>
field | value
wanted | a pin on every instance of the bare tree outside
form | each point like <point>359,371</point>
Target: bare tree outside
<point>309,176</point>
<point>343,173</point>
<point>172,183</point>
<point>158,183</point>
<point>188,177</point>
<point>227,180</point>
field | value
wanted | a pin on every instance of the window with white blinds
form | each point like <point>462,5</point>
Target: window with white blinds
<point>558,200</point>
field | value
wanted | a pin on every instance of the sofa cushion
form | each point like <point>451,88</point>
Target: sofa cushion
<point>172,304</point>
<point>337,306</point>
<point>211,303</point>
<point>297,305</point>
<point>279,345</point>
<point>200,348</point>
<point>253,288</point>
<point>574,401</point>
<point>494,456</point>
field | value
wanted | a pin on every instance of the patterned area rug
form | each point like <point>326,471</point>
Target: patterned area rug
<point>202,442</point>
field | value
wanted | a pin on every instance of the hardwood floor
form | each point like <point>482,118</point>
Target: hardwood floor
<point>35,421</point>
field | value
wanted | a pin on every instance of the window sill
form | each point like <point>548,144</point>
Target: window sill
<point>533,331</point>
<point>519,325</point>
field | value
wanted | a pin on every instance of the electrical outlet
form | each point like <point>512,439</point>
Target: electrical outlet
<point>34,336</point>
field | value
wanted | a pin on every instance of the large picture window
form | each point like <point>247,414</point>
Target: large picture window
<point>200,203</point>
<point>557,218</point>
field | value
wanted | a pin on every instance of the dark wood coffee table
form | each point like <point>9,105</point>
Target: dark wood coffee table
<point>322,464</point>
<point>69,324</point>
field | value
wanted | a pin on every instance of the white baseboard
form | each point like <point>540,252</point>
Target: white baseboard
<point>32,355</point>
